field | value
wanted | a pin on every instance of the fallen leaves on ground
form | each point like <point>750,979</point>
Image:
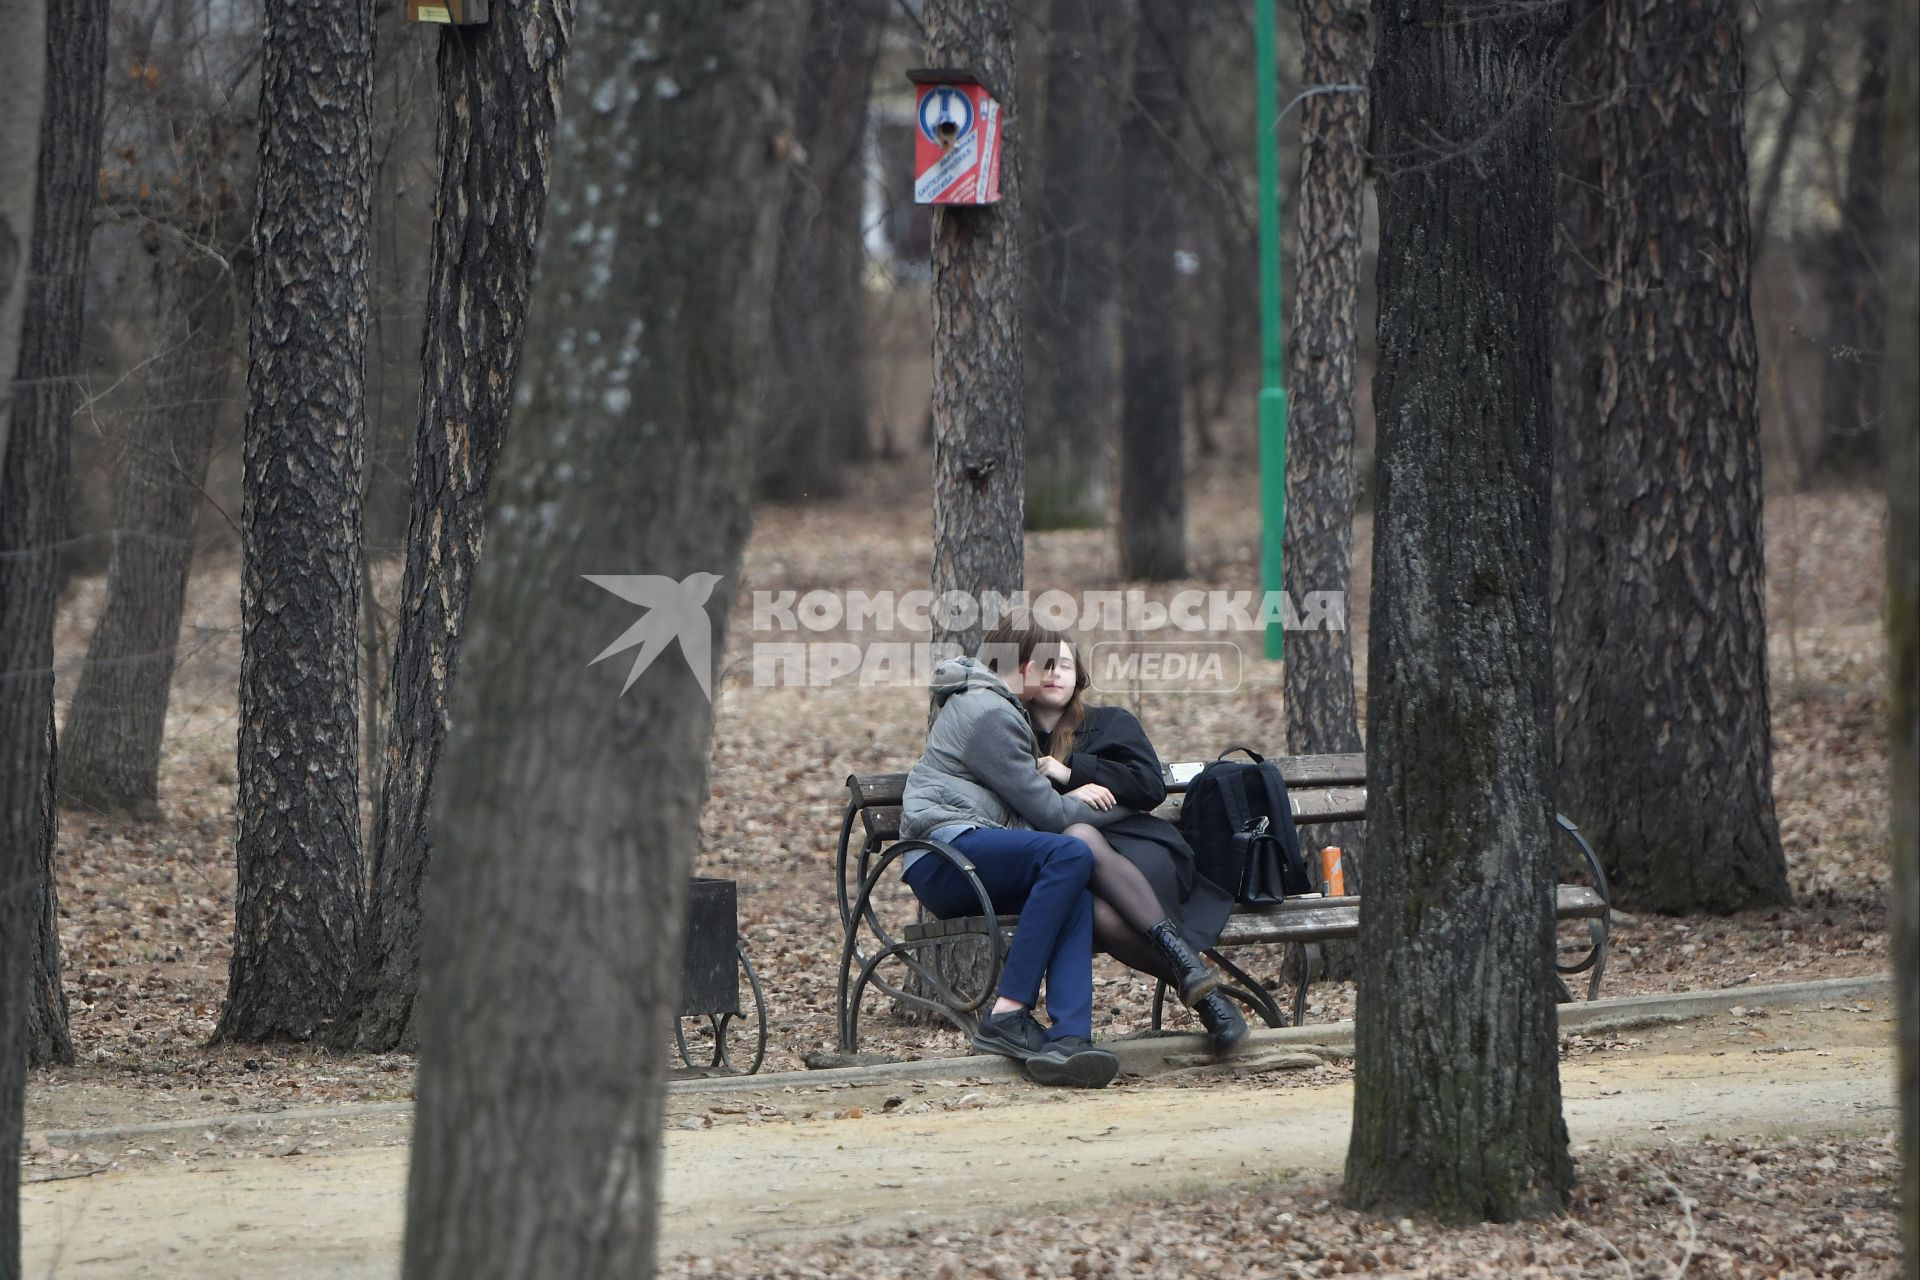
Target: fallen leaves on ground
<point>1714,1210</point>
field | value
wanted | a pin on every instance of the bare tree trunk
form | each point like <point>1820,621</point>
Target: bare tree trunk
<point>1070,296</point>
<point>1813,50</point>
<point>1903,589</point>
<point>32,523</point>
<point>33,465</point>
<point>815,417</point>
<point>557,899</point>
<point>1322,352</point>
<point>197,224</point>
<point>117,720</point>
<point>1456,1064</point>
<point>1659,623</point>
<point>500,95</point>
<point>979,287</point>
<point>1856,290</point>
<point>1153,505</point>
<point>49,1041</point>
<point>69,163</point>
<point>22,78</point>
<point>298,896</point>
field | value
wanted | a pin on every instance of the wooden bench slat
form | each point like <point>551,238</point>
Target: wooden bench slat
<point>953,928</point>
<point>1310,920</point>
<point>1298,920</point>
<point>887,789</point>
<point>1326,804</point>
<point>1295,920</point>
<point>1320,771</point>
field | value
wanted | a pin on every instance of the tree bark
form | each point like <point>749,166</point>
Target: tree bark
<point>298,894</point>
<point>1318,677</point>
<point>48,1037</point>
<point>117,720</point>
<point>32,524</point>
<point>1153,507</point>
<point>1903,588</point>
<point>1856,289</point>
<point>1659,618</point>
<point>815,417</point>
<point>500,89</point>
<point>979,404</point>
<point>568,824</point>
<point>1071,294</point>
<point>1456,1071</point>
<point>69,161</point>
<point>33,465</point>
<point>22,79</point>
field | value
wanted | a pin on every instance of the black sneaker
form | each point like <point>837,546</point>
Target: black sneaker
<point>1015,1034</point>
<point>1075,1062</point>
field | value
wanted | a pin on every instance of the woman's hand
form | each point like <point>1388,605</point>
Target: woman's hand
<point>1056,770</point>
<point>1094,794</point>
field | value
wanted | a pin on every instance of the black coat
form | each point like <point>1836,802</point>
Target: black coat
<point>1111,748</point>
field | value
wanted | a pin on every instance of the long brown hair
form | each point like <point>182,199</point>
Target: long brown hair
<point>1074,714</point>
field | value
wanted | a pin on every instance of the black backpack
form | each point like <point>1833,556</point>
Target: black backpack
<point>1238,822</point>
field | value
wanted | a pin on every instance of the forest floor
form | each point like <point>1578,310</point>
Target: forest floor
<point>1750,1142</point>
<point>147,908</point>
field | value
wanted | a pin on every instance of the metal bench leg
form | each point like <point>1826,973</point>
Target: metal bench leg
<point>1248,991</point>
<point>847,996</point>
<point>1310,958</point>
<point>1599,930</point>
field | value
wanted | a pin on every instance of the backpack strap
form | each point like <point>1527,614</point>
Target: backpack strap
<point>1251,754</point>
<point>1233,795</point>
<point>1293,857</point>
<point>1279,804</point>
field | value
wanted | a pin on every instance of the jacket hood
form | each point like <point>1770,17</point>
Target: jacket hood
<point>956,675</point>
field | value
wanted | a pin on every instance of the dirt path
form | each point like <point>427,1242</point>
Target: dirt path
<point>801,1165</point>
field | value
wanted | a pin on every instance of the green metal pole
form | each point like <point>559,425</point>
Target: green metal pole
<point>1273,394</point>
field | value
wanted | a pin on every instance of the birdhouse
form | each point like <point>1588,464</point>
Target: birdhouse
<point>455,12</point>
<point>956,144</point>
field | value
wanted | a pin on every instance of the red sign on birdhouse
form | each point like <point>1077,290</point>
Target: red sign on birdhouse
<point>956,144</point>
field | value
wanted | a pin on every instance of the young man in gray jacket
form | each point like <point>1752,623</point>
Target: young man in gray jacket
<point>979,789</point>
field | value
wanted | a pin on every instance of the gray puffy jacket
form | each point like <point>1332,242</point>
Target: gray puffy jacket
<point>980,763</point>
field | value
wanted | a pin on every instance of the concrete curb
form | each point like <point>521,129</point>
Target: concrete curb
<point>1140,1055</point>
<point>70,1138</point>
<point>1144,1054</point>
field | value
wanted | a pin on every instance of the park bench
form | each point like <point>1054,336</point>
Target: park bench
<point>952,967</point>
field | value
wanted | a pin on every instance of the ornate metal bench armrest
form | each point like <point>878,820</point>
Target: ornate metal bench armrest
<point>861,912</point>
<point>1600,929</point>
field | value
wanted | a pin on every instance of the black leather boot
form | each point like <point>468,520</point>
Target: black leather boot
<point>1195,977</point>
<point>1226,1029</point>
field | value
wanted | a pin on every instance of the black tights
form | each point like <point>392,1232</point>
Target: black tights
<point>1124,907</point>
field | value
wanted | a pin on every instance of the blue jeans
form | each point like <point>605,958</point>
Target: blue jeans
<point>1042,877</point>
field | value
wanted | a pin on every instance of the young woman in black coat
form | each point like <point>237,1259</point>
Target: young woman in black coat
<point>1150,902</point>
